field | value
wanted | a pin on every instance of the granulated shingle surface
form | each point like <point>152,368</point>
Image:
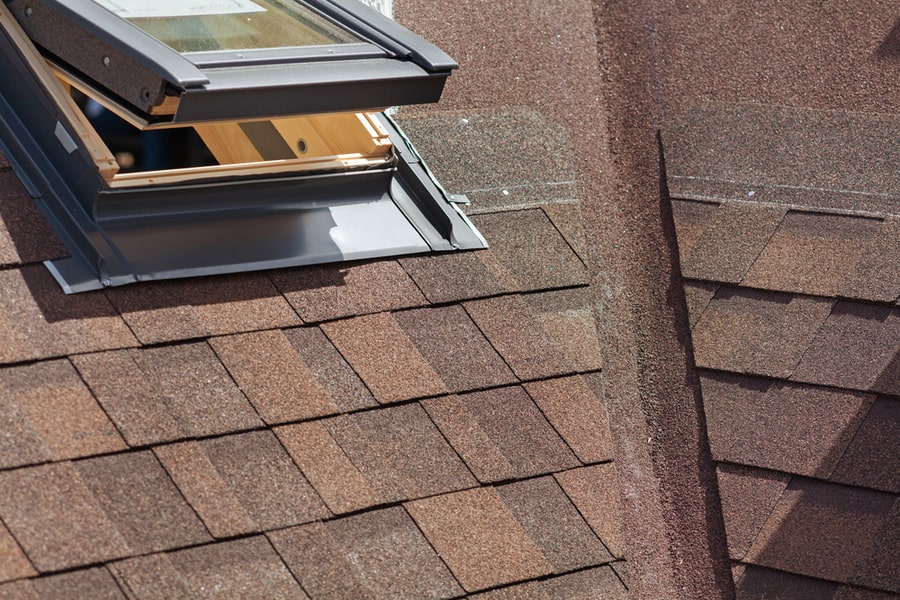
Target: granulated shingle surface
<point>56,519</point>
<point>750,331</point>
<point>793,428</point>
<point>568,318</point>
<point>146,508</point>
<point>730,244</point>
<point>813,253</point>
<point>748,497</point>
<point>527,252</point>
<point>25,236</point>
<point>385,358</point>
<point>856,348</point>
<point>500,434</point>
<point>400,453</point>
<point>451,277</point>
<point>257,472</point>
<point>53,420</point>
<point>94,583</point>
<point>455,348</point>
<point>15,564</point>
<point>175,310</point>
<point>274,378</point>
<point>323,293</point>
<point>196,388</point>
<point>553,524</point>
<point>877,275</point>
<point>594,491</point>
<point>823,530</point>
<point>698,294</point>
<point>376,555</point>
<point>479,538</point>
<point>691,220</point>
<point>577,414</point>
<point>516,333</point>
<point>344,386</point>
<point>873,458</point>
<point>211,496</point>
<point>38,321</point>
<point>593,584</point>
<point>244,568</point>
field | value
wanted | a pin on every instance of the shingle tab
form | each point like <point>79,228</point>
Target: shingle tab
<point>455,348</point>
<point>877,275</point>
<point>384,357</point>
<point>553,524</point>
<point>56,519</point>
<point>500,434</point>
<point>324,293</point>
<point>272,375</point>
<point>527,252</point>
<point>15,564</point>
<point>203,306</point>
<point>135,493</point>
<point>873,457</point>
<point>451,277</point>
<point>37,320</point>
<point>577,414</point>
<point>89,583</point>
<point>346,389</point>
<point>758,583</point>
<point>568,318</point>
<point>380,554</point>
<point>776,425</point>
<point>748,496</point>
<point>197,389</point>
<point>327,467</point>
<point>595,493</point>
<point>857,347</point>
<point>514,330</point>
<point>757,332</point>
<point>729,245</point>
<point>592,584</point>
<point>254,469</point>
<point>400,453</point>
<point>691,220</point>
<point>827,531</point>
<point>245,568</point>
<point>813,253</point>
<point>697,295</point>
<point>479,538</point>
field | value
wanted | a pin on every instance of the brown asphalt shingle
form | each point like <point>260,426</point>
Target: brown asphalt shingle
<point>553,524</point>
<point>331,292</point>
<point>55,419</point>
<point>568,317</point>
<point>479,538</point>
<point>873,457</point>
<point>500,434</point>
<point>856,348</point>
<point>89,583</point>
<point>379,554</point>
<point>829,531</point>
<point>38,321</point>
<point>137,495</point>
<point>25,236</point>
<point>527,252</point>
<point>274,378</point>
<point>56,519</point>
<point>15,564</point>
<point>780,426</point>
<point>451,277</point>
<point>514,330</point>
<point>385,358</point>
<point>245,568</point>
<point>749,331</point>
<point>455,348</point>
<point>595,493</point>
<point>691,220</point>
<point>593,584</point>
<point>813,253</point>
<point>577,414</point>
<point>255,472</point>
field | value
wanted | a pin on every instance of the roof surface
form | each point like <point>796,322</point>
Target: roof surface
<point>634,392</point>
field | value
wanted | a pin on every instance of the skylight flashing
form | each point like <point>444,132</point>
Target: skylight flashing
<point>278,188</point>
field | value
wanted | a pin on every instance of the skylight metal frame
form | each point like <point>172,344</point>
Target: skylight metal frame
<point>224,224</point>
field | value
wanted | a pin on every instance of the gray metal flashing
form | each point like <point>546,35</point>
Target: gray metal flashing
<point>122,236</point>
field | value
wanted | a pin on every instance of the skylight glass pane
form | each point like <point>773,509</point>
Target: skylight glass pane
<point>209,25</point>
